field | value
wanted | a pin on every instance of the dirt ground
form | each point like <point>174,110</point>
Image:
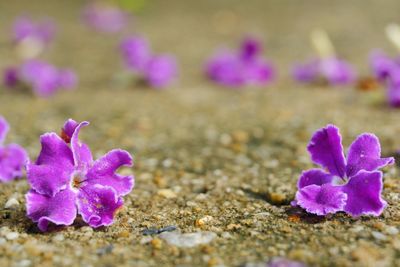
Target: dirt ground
<point>207,158</point>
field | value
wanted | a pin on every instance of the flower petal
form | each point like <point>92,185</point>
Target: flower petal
<point>98,204</point>
<point>321,200</point>
<point>337,72</point>
<point>4,127</point>
<point>326,150</point>
<point>103,172</point>
<point>314,176</point>
<point>365,154</point>
<point>82,155</point>
<point>59,209</point>
<point>364,194</point>
<point>53,168</point>
<point>12,160</point>
<point>306,72</point>
<point>68,130</point>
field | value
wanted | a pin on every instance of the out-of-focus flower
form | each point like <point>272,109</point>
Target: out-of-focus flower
<point>334,71</point>
<point>65,181</point>
<point>12,157</point>
<point>31,38</point>
<point>282,262</point>
<point>43,78</point>
<point>245,67</point>
<point>158,71</point>
<point>353,185</point>
<point>105,17</point>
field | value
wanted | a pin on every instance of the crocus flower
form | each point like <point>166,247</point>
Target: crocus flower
<point>65,181</point>
<point>244,67</point>
<point>12,157</point>
<point>333,70</point>
<point>43,78</point>
<point>157,70</point>
<point>31,37</point>
<point>105,18</point>
<point>353,184</point>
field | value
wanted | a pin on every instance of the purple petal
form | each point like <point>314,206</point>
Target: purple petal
<point>54,167</point>
<point>68,130</point>
<point>12,161</point>
<point>321,200</point>
<point>258,72</point>
<point>250,49</point>
<point>59,209</point>
<point>98,205</point>
<point>365,154</point>
<point>4,128</point>
<point>314,176</point>
<point>160,71</point>
<point>67,79</point>
<point>103,172</point>
<point>81,152</point>
<point>364,194</point>
<point>306,72</point>
<point>42,31</point>
<point>225,68</point>
<point>10,77</point>
<point>393,93</point>
<point>282,262</point>
<point>337,72</point>
<point>136,53</point>
<point>326,150</point>
<point>382,65</point>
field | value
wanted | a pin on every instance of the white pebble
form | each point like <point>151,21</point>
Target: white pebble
<point>379,235</point>
<point>12,235</point>
<point>188,239</point>
<point>391,230</point>
<point>11,203</point>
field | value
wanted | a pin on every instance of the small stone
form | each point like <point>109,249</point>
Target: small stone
<point>12,203</point>
<point>167,193</point>
<point>203,221</point>
<point>156,243</point>
<point>277,198</point>
<point>233,226</point>
<point>391,230</point>
<point>188,239</point>
<point>123,234</point>
<point>24,263</point>
<point>145,240</point>
<point>12,235</point>
<point>379,235</point>
<point>58,237</point>
<point>240,136</point>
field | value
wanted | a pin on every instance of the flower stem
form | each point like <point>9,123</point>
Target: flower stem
<point>322,44</point>
<point>393,34</point>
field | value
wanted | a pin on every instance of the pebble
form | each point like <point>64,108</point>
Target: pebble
<point>12,235</point>
<point>391,230</point>
<point>203,221</point>
<point>188,239</point>
<point>11,203</point>
<point>167,193</point>
<point>379,235</point>
<point>58,237</point>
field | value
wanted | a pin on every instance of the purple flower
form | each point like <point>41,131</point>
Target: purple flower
<point>282,262</point>
<point>24,28</point>
<point>44,79</point>
<point>157,70</point>
<point>333,70</point>
<point>353,184</point>
<point>105,18</point>
<point>12,157</point>
<point>65,181</point>
<point>245,67</point>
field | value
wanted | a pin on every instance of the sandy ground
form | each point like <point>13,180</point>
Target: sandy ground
<point>206,158</point>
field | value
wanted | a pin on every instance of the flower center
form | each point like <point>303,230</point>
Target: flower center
<point>339,180</point>
<point>77,180</point>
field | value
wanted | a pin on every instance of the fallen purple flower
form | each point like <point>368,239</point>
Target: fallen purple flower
<point>12,157</point>
<point>158,71</point>
<point>65,181</point>
<point>44,79</point>
<point>105,18</point>
<point>245,67</point>
<point>334,71</point>
<point>353,185</point>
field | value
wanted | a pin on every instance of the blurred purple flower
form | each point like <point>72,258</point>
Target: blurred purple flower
<point>245,67</point>
<point>333,70</point>
<point>12,157</point>
<point>65,181</point>
<point>282,262</point>
<point>157,70</point>
<point>353,185</point>
<point>44,79</point>
<point>25,28</point>
<point>105,18</point>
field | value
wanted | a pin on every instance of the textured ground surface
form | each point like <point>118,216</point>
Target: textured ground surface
<point>204,151</point>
